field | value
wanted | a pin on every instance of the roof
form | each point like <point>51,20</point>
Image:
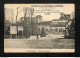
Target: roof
<point>53,24</point>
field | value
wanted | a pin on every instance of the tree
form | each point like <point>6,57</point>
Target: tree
<point>70,29</point>
<point>7,27</point>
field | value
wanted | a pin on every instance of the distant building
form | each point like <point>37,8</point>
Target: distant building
<point>52,26</point>
<point>56,25</point>
<point>37,19</point>
<point>65,16</point>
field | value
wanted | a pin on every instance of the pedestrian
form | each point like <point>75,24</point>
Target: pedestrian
<point>37,36</point>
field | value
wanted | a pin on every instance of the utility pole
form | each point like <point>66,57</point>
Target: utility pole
<point>31,22</point>
<point>32,10</point>
<point>24,10</point>
<point>16,21</point>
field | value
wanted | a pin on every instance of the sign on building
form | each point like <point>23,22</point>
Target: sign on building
<point>13,30</point>
<point>20,28</point>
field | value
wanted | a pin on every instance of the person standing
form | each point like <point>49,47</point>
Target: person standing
<point>37,36</point>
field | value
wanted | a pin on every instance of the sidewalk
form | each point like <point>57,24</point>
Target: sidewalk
<point>49,36</point>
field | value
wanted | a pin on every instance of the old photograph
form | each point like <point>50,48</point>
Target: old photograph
<point>30,28</point>
<point>39,57</point>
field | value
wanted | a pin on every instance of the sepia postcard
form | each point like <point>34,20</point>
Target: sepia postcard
<point>39,57</point>
<point>39,28</point>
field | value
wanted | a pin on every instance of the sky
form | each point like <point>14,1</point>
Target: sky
<point>48,11</point>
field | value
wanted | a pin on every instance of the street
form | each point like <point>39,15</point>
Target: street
<point>51,41</point>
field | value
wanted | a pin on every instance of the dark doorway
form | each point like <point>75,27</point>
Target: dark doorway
<point>20,34</point>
